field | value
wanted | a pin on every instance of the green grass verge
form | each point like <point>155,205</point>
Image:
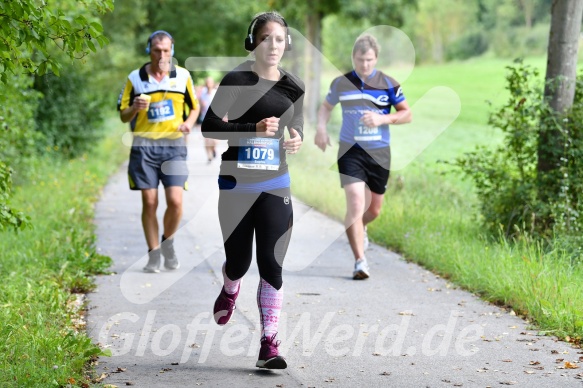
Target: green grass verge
<point>432,218</point>
<point>42,344</point>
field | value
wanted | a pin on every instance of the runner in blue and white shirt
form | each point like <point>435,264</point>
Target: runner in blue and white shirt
<point>367,96</point>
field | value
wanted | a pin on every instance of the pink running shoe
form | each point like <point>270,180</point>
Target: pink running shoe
<point>269,357</point>
<point>224,306</point>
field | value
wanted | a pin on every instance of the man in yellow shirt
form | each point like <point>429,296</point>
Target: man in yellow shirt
<point>158,124</point>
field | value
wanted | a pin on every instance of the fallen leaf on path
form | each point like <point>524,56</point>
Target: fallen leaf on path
<point>570,365</point>
<point>100,378</point>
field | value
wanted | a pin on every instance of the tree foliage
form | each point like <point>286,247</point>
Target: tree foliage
<point>73,130</point>
<point>458,29</point>
<point>390,13</point>
<point>36,37</point>
<point>211,28</point>
<point>30,29</point>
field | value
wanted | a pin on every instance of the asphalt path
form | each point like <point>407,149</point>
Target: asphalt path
<point>403,327</point>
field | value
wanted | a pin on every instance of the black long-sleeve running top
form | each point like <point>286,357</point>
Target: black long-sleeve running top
<point>245,99</point>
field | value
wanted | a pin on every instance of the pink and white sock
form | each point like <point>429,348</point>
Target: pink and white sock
<point>269,301</point>
<point>231,286</point>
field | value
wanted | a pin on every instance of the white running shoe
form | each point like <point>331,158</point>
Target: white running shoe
<point>366,242</point>
<point>361,270</point>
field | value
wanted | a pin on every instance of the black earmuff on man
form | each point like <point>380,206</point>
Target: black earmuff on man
<point>149,45</point>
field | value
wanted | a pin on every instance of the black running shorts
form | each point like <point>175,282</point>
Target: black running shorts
<point>372,167</point>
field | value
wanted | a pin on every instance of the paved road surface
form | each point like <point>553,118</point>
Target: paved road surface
<point>403,327</point>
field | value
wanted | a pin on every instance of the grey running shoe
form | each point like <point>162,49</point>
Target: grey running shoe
<point>170,259</point>
<point>366,242</point>
<point>153,261</point>
<point>361,270</point>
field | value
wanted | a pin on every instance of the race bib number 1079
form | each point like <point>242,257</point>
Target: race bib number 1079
<point>258,153</point>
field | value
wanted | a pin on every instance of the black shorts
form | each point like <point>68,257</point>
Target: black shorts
<point>147,157</point>
<point>372,167</point>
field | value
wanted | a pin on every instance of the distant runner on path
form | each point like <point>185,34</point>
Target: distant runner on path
<point>364,155</point>
<point>154,102</point>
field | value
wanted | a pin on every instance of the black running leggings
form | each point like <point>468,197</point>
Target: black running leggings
<point>268,215</point>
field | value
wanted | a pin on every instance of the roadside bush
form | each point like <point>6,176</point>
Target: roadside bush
<point>10,218</point>
<point>18,103</point>
<point>70,113</point>
<point>511,193</point>
<point>469,45</point>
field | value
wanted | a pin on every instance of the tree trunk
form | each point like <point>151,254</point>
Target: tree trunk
<point>563,51</point>
<point>559,90</point>
<point>528,9</point>
<point>561,69</point>
<point>313,66</point>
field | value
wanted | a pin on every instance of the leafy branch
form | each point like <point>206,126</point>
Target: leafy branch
<point>26,29</point>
